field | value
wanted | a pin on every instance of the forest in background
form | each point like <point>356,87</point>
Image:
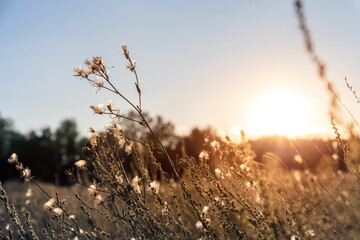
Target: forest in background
<point>51,153</point>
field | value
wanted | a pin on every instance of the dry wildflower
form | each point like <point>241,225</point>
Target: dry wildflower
<point>335,156</point>
<point>7,227</point>
<point>92,190</point>
<point>81,164</point>
<point>96,64</point>
<point>94,138</point>
<point>135,184</point>
<point>28,193</point>
<point>49,205</point>
<point>121,142</point>
<point>244,167</point>
<point>13,158</point>
<point>132,65</point>
<point>99,200</point>
<point>27,202</point>
<point>72,217</point>
<point>310,232</point>
<point>199,225</point>
<point>98,83</point>
<point>165,210</point>
<point>294,237</point>
<point>155,186</point>
<point>109,104</point>
<point>57,211</point>
<point>78,71</point>
<point>119,179</point>
<point>215,145</point>
<point>206,138</point>
<point>204,155</point>
<point>98,109</point>
<point>206,210</point>
<point>124,48</point>
<point>217,172</point>
<point>128,149</point>
<point>87,71</point>
<point>26,174</point>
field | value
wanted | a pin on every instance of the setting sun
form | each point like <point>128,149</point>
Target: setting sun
<point>280,112</point>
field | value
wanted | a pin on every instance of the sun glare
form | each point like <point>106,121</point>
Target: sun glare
<point>280,112</point>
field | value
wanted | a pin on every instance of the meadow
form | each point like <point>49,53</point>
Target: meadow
<point>124,191</point>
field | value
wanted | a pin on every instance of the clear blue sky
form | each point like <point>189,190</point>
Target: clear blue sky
<point>200,62</point>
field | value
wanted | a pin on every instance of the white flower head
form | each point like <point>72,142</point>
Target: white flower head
<point>119,179</point>
<point>57,211</point>
<point>204,155</point>
<point>72,217</point>
<point>86,71</point>
<point>135,184</point>
<point>206,210</point>
<point>155,186</point>
<point>199,225</point>
<point>98,83</point>
<point>110,103</point>
<point>99,108</point>
<point>310,232</point>
<point>217,172</point>
<point>132,65</point>
<point>121,142</point>
<point>99,200</point>
<point>92,190</point>
<point>13,158</point>
<point>94,138</point>
<point>244,167</point>
<point>128,149</point>
<point>26,174</point>
<point>81,164</point>
<point>49,205</point>
<point>165,210</point>
<point>78,71</point>
<point>215,145</point>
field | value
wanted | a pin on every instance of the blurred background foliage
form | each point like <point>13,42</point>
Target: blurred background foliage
<point>49,153</point>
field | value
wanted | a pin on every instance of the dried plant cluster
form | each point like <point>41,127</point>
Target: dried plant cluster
<point>123,192</point>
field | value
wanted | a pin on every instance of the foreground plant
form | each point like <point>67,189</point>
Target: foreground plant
<point>221,194</point>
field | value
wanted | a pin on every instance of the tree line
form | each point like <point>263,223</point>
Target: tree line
<point>50,153</point>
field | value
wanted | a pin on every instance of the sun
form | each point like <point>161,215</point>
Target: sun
<point>280,112</point>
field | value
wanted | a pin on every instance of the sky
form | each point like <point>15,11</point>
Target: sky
<point>200,63</point>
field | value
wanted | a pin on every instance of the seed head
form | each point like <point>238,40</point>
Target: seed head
<point>92,190</point>
<point>49,205</point>
<point>81,164</point>
<point>13,158</point>
<point>199,225</point>
<point>99,109</point>
<point>26,174</point>
<point>204,155</point>
<point>128,149</point>
<point>57,211</point>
